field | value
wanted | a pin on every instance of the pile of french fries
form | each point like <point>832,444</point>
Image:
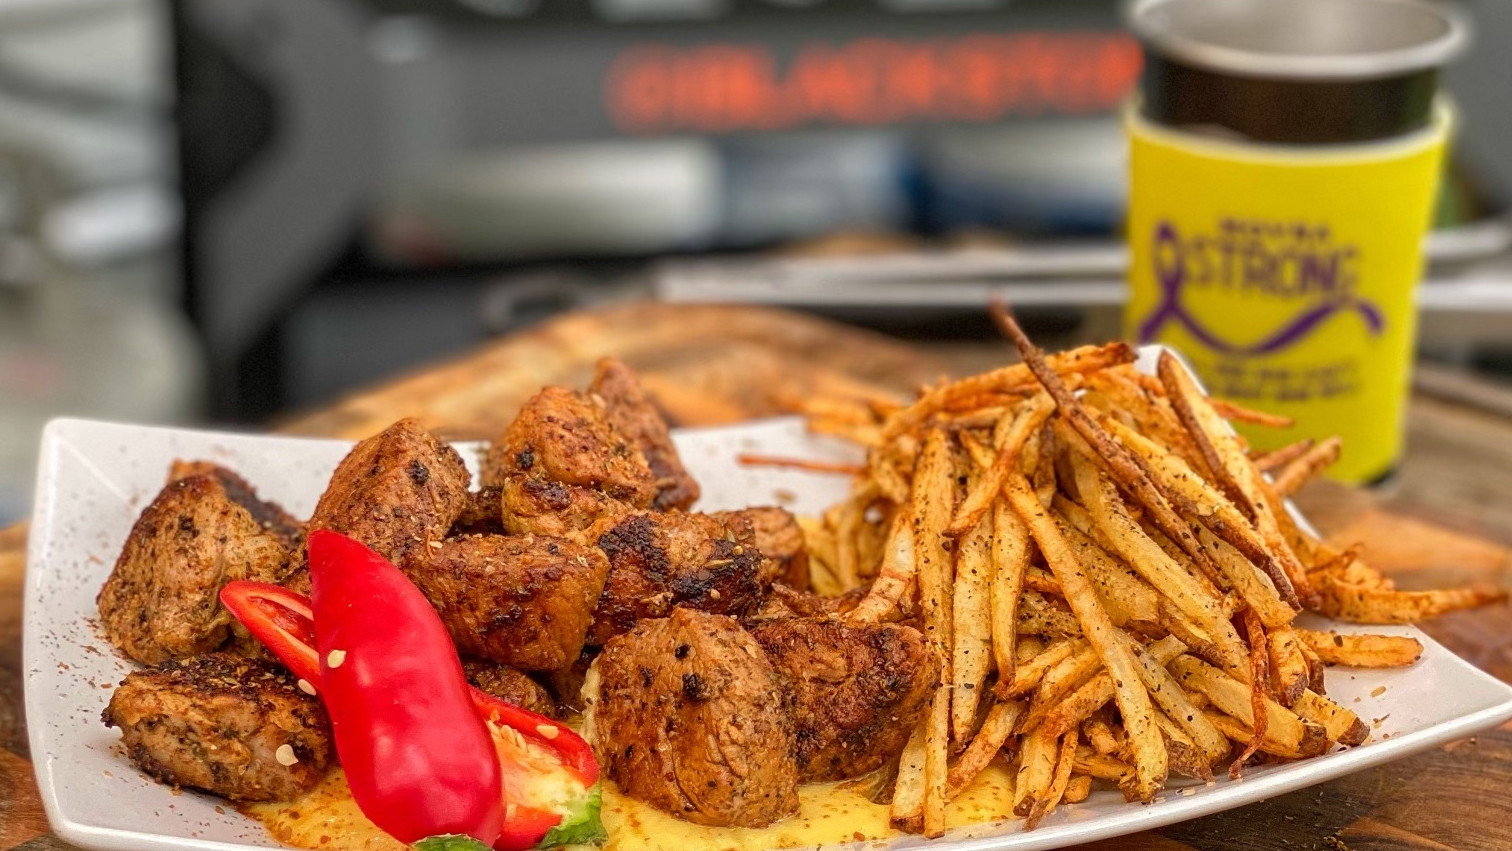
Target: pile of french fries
<point>1109,576</point>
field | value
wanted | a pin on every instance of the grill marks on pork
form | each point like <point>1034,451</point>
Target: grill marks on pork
<point>160,601</point>
<point>562,466</point>
<point>522,601</point>
<point>395,492</point>
<point>224,724</point>
<point>858,691</point>
<point>635,414</point>
<point>687,714</point>
<point>661,561</point>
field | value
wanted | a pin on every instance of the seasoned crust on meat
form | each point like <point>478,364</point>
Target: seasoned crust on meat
<point>632,410</point>
<point>270,515</point>
<point>858,690</point>
<point>780,539</point>
<point>535,505</point>
<point>480,514</point>
<point>687,714</point>
<point>395,492</point>
<point>217,722</point>
<point>658,561</point>
<point>510,685</point>
<point>524,601</point>
<point>160,601</point>
<point>566,437</point>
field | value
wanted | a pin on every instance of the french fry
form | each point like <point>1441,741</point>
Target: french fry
<point>1017,376</point>
<point>1285,733</point>
<point>1235,471</point>
<point>1240,732</point>
<point>1363,604</point>
<point>1205,504</point>
<point>1078,787</point>
<point>1240,414</point>
<point>932,501</point>
<point>1120,388</point>
<point>1341,725</point>
<point>1026,421</point>
<point>1187,594</point>
<point>1289,669</point>
<point>1103,767</point>
<point>1100,734</point>
<point>906,812</point>
<point>1010,555</point>
<point>1362,650</point>
<point>1036,771</point>
<point>1130,601</point>
<point>1150,759</point>
<point>936,764</point>
<point>1036,616</point>
<point>1158,633</point>
<point>1107,451</point>
<point>1064,761</point>
<point>1269,462</point>
<point>1027,676</point>
<point>1304,468</point>
<point>1254,587</point>
<point>1172,699</point>
<point>989,740</point>
<point>971,651</point>
<point>1259,656</point>
<point>900,567</point>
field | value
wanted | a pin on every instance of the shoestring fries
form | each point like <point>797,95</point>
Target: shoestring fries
<point>1109,577</point>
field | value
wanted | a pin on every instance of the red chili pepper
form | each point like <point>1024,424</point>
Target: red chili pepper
<point>418,762</point>
<point>549,773</point>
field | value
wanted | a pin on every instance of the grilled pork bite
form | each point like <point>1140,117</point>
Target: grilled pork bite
<point>687,714</point>
<point>632,411</point>
<point>780,540</point>
<point>270,515</point>
<point>562,466</point>
<point>239,728</point>
<point>395,492</point>
<point>658,561</point>
<point>858,690</point>
<point>160,601</point>
<point>509,684</point>
<point>523,601</point>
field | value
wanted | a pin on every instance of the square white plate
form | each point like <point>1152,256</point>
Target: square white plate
<point>96,477</point>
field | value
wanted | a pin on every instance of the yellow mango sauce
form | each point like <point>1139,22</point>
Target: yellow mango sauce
<point>327,818</point>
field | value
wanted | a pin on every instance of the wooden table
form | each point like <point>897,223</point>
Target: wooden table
<point>1448,521</point>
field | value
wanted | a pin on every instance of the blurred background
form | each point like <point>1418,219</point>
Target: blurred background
<point>222,211</point>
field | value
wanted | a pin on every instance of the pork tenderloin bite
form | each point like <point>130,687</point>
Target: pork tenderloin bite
<point>161,599</point>
<point>523,601</point>
<point>658,561</point>
<point>635,414</point>
<point>232,726</point>
<point>687,714</point>
<point>858,690</point>
<point>396,492</point>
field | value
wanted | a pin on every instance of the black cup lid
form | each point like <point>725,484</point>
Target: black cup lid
<point>1295,71</point>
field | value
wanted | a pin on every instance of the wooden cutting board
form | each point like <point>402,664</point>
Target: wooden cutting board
<point>711,365</point>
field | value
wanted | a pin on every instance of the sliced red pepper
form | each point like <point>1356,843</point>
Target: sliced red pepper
<point>417,759</point>
<point>281,619</point>
<point>549,774</point>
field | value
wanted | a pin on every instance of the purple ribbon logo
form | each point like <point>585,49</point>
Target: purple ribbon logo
<point>1172,278</point>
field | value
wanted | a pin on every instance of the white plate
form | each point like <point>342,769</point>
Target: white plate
<point>96,477</point>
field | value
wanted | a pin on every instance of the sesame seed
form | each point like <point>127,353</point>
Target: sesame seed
<point>335,658</point>
<point>304,686</point>
<point>285,755</point>
<point>547,731</point>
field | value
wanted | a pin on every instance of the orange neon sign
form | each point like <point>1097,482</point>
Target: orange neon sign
<point>723,87</point>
